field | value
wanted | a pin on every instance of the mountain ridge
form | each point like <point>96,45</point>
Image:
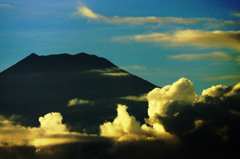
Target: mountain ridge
<point>60,61</point>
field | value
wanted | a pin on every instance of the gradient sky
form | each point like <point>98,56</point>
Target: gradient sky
<point>158,40</point>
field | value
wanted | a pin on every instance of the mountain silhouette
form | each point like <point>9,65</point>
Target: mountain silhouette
<point>38,85</point>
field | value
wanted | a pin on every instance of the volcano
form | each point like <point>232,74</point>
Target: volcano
<point>84,88</point>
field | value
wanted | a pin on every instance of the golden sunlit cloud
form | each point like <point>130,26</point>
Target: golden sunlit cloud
<point>180,94</point>
<point>220,92</point>
<point>216,56</point>
<point>197,38</point>
<point>126,127</point>
<point>159,99</point>
<point>50,132</point>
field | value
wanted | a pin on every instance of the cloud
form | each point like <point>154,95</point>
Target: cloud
<point>126,127</point>
<point>88,13</point>
<point>50,132</point>
<point>179,124</point>
<point>216,56</point>
<point>223,78</point>
<point>219,92</point>
<point>176,113</point>
<point>84,11</point>
<point>123,127</point>
<point>5,6</point>
<point>77,101</point>
<point>235,14</point>
<point>140,98</point>
<point>114,72</point>
<point>196,38</point>
<point>159,99</point>
<point>134,67</point>
<point>238,59</point>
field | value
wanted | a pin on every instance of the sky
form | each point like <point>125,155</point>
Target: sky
<point>158,40</point>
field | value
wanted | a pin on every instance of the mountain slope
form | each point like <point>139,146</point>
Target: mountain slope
<point>38,85</point>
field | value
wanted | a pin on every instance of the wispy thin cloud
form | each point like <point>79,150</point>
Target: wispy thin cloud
<point>84,11</point>
<point>115,71</point>
<point>134,67</point>
<point>115,74</point>
<point>196,38</point>
<point>5,5</point>
<point>140,98</point>
<point>216,56</point>
<point>223,78</point>
<point>235,14</point>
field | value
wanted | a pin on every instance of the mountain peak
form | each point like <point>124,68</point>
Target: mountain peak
<point>33,54</point>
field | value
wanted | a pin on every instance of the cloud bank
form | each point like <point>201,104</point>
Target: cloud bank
<point>179,124</point>
<point>176,112</point>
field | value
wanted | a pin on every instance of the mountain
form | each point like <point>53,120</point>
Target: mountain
<point>38,85</point>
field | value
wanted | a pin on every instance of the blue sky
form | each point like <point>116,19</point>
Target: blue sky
<point>158,40</point>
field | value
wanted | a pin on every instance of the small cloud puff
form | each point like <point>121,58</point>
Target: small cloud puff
<point>77,101</point>
<point>115,72</point>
